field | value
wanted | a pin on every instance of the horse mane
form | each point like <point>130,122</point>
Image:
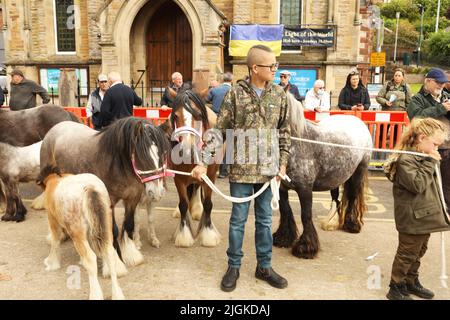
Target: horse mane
<point>183,100</point>
<point>298,121</point>
<point>127,137</point>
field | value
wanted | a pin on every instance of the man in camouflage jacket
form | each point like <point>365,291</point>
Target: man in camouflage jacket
<point>254,117</point>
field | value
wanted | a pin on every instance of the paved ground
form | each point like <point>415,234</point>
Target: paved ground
<point>340,271</point>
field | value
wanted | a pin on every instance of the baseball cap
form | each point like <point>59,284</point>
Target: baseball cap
<point>16,72</point>
<point>102,77</point>
<point>286,72</point>
<point>438,75</point>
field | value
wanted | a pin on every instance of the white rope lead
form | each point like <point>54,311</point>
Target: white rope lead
<point>274,185</point>
<point>443,276</point>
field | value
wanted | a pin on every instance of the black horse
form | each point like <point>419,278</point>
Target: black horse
<point>121,155</point>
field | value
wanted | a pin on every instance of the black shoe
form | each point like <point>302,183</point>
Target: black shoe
<point>271,277</point>
<point>229,279</point>
<point>417,289</point>
<point>222,176</point>
<point>398,292</point>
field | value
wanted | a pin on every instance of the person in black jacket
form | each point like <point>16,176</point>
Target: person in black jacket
<point>118,101</point>
<point>354,96</point>
<point>2,97</point>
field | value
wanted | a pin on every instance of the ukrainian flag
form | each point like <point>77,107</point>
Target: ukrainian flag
<point>243,37</point>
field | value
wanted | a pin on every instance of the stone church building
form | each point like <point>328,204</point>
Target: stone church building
<point>147,40</point>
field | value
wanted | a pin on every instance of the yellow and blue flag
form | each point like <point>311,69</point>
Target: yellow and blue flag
<point>245,36</point>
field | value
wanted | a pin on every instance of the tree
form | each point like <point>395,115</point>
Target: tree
<point>437,47</point>
<point>447,14</point>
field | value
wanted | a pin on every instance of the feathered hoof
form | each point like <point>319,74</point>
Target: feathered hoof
<point>351,227</point>
<point>184,238</point>
<point>18,218</point>
<point>121,269</point>
<point>154,242</point>
<point>306,247</point>
<point>283,239</point>
<point>7,217</point>
<point>331,222</point>
<point>176,213</point>
<point>130,254</point>
<point>209,237</point>
<point>51,264</point>
<point>38,203</point>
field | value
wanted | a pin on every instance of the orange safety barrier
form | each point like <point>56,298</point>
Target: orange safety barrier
<point>80,113</point>
<point>156,115</point>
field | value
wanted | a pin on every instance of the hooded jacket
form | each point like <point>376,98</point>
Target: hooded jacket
<point>418,207</point>
<point>245,112</point>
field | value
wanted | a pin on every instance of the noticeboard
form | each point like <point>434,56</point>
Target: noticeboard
<point>378,59</point>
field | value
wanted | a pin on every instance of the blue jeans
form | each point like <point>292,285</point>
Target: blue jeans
<point>263,224</point>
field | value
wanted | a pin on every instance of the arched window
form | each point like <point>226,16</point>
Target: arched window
<point>65,26</point>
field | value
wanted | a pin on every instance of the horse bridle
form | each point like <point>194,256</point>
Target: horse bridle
<point>156,174</point>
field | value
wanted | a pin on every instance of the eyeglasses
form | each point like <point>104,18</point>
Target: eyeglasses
<point>441,84</point>
<point>103,81</point>
<point>354,73</point>
<point>283,76</point>
<point>273,67</point>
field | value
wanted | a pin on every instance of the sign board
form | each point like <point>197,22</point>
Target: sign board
<point>295,37</point>
<point>373,89</point>
<point>303,78</point>
<point>378,59</point>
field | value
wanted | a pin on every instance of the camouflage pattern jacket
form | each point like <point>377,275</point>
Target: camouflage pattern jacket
<point>242,111</point>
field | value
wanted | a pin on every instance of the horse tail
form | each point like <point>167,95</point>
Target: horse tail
<point>97,213</point>
<point>353,205</point>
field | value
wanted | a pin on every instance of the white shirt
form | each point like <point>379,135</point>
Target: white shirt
<point>313,100</point>
<point>89,103</point>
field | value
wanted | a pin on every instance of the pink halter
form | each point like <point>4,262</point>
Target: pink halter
<point>155,174</point>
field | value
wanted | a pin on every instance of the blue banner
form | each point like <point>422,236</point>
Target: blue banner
<point>303,78</point>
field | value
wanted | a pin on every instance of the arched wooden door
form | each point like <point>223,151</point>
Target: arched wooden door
<point>169,44</point>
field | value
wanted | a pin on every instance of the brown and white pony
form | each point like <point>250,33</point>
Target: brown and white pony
<point>189,120</point>
<point>79,206</point>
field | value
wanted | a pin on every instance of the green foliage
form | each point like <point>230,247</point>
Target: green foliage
<point>437,48</point>
<point>407,34</point>
<point>405,7</point>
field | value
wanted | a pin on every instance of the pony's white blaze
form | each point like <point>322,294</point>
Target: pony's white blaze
<point>155,189</point>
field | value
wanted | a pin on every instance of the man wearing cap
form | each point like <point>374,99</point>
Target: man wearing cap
<point>95,101</point>
<point>23,92</point>
<point>285,76</point>
<point>432,101</point>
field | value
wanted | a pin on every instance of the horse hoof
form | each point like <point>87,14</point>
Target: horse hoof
<point>282,241</point>
<point>302,251</point>
<point>351,227</point>
<point>7,217</point>
<point>155,243</point>
<point>18,218</point>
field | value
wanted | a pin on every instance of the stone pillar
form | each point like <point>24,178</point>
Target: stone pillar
<point>330,18</point>
<point>357,20</point>
<point>67,87</point>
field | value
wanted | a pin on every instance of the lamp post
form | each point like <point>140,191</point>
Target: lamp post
<point>437,15</point>
<point>422,8</point>
<point>397,15</point>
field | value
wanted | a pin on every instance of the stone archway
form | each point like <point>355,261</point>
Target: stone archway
<point>127,52</point>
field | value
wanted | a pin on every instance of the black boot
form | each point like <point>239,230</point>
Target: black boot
<point>229,279</point>
<point>398,291</point>
<point>417,289</point>
<point>272,278</point>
